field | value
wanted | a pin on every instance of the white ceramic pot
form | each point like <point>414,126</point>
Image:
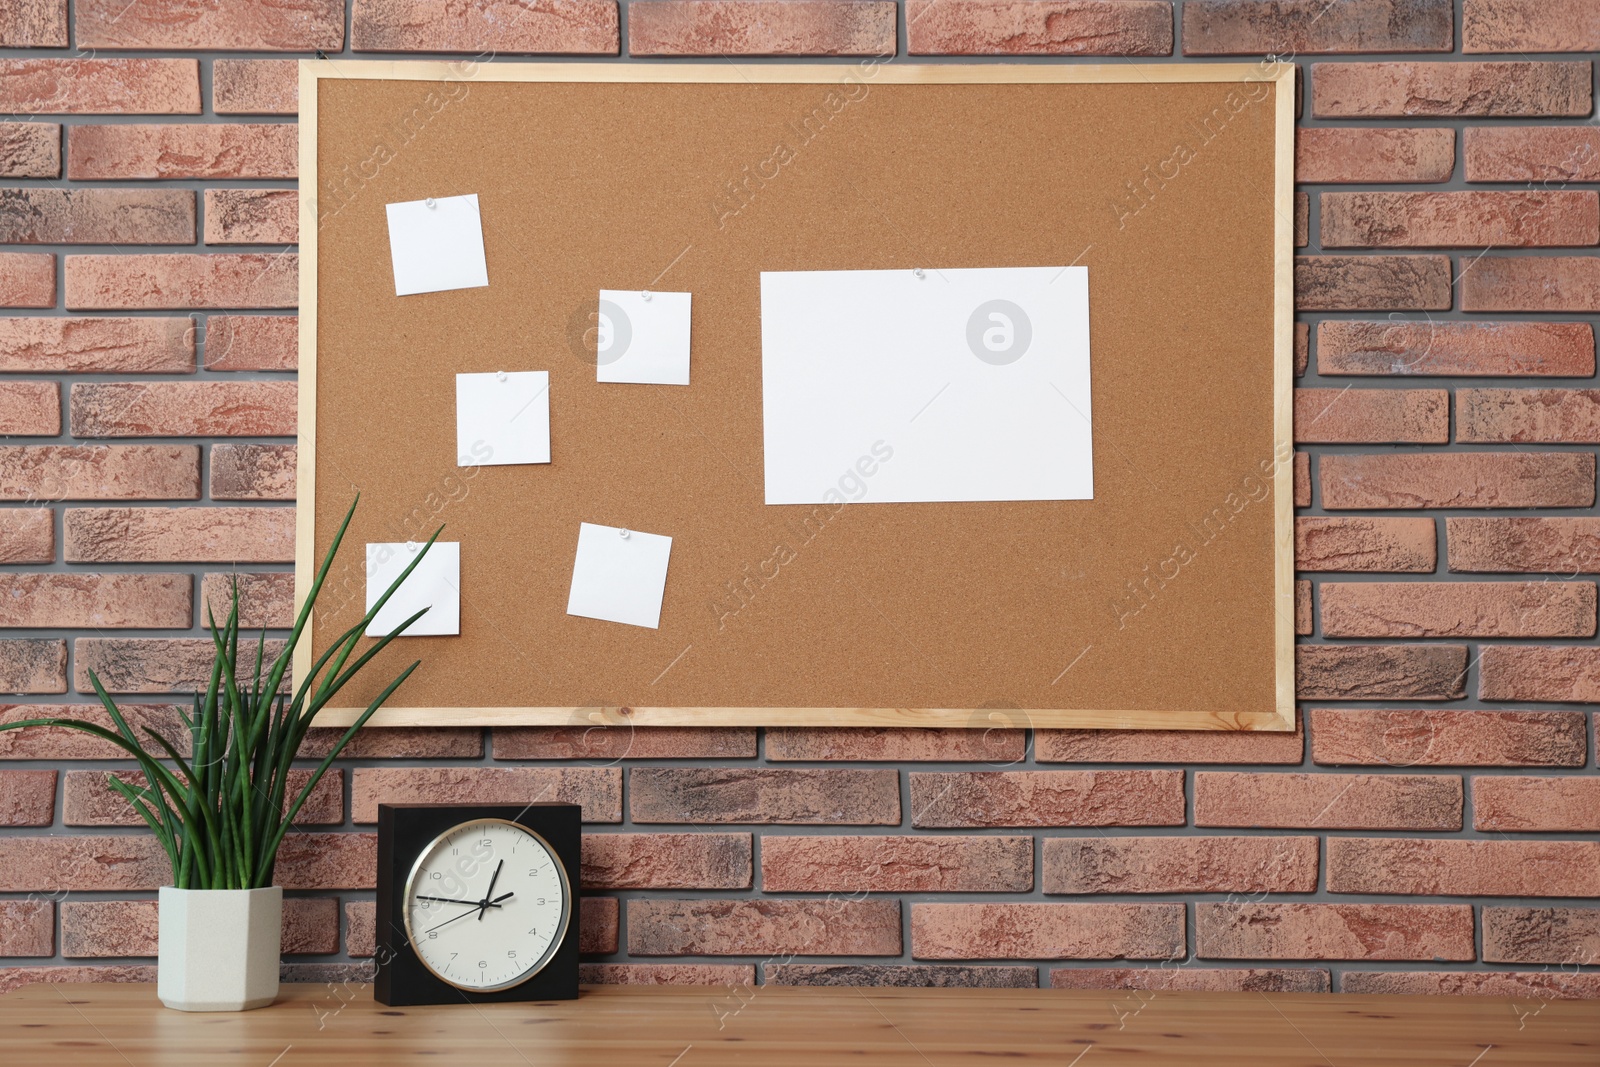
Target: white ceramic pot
<point>219,948</point>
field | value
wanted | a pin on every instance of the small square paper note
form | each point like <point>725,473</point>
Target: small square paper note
<point>619,575</point>
<point>502,417</point>
<point>435,585</point>
<point>437,247</point>
<point>643,337</point>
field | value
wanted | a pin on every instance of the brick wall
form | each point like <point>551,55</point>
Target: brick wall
<point>1432,827</point>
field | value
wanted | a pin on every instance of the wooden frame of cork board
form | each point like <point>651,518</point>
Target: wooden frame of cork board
<point>1166,602</point>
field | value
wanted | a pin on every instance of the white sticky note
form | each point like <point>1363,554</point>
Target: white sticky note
<point>619,575</point>
<point>643,337</point>
<point>502,417</point>
<point>435,585</point>
<point>930,385</point>
<point>439,247</point>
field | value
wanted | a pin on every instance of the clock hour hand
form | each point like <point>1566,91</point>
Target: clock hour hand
<point>483,905</point>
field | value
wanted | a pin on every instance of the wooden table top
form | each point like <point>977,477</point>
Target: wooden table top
<point>774,1026</point>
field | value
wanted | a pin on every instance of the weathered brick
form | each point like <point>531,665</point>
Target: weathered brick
<point>46,344</point>
<point>1380,672</point>
<point>1522,803</point>
<point>597,789</point>
<point>179,535</point>
<point>30,408</point>
<point>1541,935</point>
<point>896,864</point>
<point>1530,672</point>
<point>1532,283</point>
<point>282,26</point>
<point>1328,801</point>
<point>1475,219</point>
<point>1344,416</point>
<point>1530,26</point>
<point>30,149</point>
<point>497,27</point>
<point>255,86</point>
<point>57,862</point>
<point>27,280</point>
<point>1506,545</point>
<point>58,743</point>
<point>830,927</point>
<point>1556,154</point>
<point>667,861</point>
<point>87,799</point>
<point>1260,931</point>
<point>1180,864</point>
<point>1558,349</point>
<point>764,795</point>
<point>1050,27</point>
<point>1302,480</point>
<point>27,535</point>
<point>1046,798</point>
<point>171,150</point>
<point>1277,27</point>
<point>1304,613</point>
<point>1528,415</point>
<point>397,742</point>
<point>1387,545</point>
<point>1047,931</point>
<point>1459,480</point>
<point>997,744</point>
<point>265,599</point>
<point>33,665</point>
<point>27,928</point>
<point>1372,283</point>
<point>63,86</point>
<point>253,472</point>
<point>252,216</point>
<point>1531,985</point>
<point>1492,89</point>
<point>1418,738</point>
<point>34,24</point>
<point>1168,746</point>
<point>1302,330</point>
<point>730,975</point>
<point>1492,868</point>
<point>599,926</point>
<point>623,741</point>
<point>97,216</point>
<point>1302,237</point>
<point>16,977</point>
<point>96,601</point>
<point>99,472</point>
<point>946,976</point>
<point>27,798</point>
<point>181,280</point>
<point>334,860</point>
<point>1355,154</point>
<point>1198,979</point>
<point>762,27</point>
<point>252,342</point>
<point>1458,609</point>
<point>150,665</point>
<point>180,409</point>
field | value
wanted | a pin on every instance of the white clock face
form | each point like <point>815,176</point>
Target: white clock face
<point>487,904</point>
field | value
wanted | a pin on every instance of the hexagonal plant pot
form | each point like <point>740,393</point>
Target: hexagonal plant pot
<point>219,948</point>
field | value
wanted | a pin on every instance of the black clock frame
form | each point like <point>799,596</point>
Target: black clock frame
<point>404,831</point>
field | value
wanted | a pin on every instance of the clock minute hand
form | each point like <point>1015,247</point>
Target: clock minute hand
<point>483,905</point>
<point>447,900</point>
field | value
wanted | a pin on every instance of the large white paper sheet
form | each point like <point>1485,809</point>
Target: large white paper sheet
<point>931,385</point>
<point>502,417</point>
<point>437,247</point>
<point>435,585</point>
<point>619,575</point>
<point>643,337</point>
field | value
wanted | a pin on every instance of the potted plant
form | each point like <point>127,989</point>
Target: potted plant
<point>221,812</point>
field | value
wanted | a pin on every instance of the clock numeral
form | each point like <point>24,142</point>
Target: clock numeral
<point>482,964</point>
<point>433,935</point>
<point>533,930</point>
<point>512,954</point>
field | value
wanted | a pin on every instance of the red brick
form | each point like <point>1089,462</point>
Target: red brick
<point>1328,801</point>
<point>1502,545</point>
<point>33,665</point>
<point>282,26</point>
<point>252,342</point>
<point>34,24</point>
<point>1199,979</point>
<point>1418,738</point>
<point>764,795</point>
<point>1495,868</point>
<point>896,864</point>
<point>1494,89</point>
<point>1558,154</point>
<point>101,928</point>
<point>1345,416</point>
<point>167,150</point>
<point>328,861</point>
<point>1302,237</point>
<point>496,27</point>
<point>100,86</point>
<point>762,28</point>
<point>30,408</point>
<point>150,665</point>
<point>667,861</point>
<point>27,798</point>
<point>1341,543</point>
<point>1303,610</point>
<point>1532,283</point>
<point>27,535</point>
<point>27,280</point>
<point>1302,330</point>
<point>1180,864</point>
<point>623,741</point>
<point>598,925</point>
<point>16,977</point>
<point>360,918</point>
<point>183,280</point>
<point>1458,609</point>
<point>998,744</point>
<point>99,472</point>
<point>1530,26</point>
<point>57,862</point>
<point>1372,283</point>
<point>183,409</point>
<point>253,472</point>
<point>900,976</point>
<point>59,743</point>
<point>180,535</point>
<point>27,928</point>
<point>1528,415</point>
<point>1527,672</point>
<point>1380,672</point>
<point>830,927</point>
<point>255,86</point>
<point>1277,27</point>
<point>1476,219</point>
<point>1302,480</point>
<point>1558,349</point>
<point>47,344</point>
<point>1260,931</point>
<point>30,149</point>
<point>265,599</point>
<point>1541,935</point>
<point>1168,746</point>
<point>1047,931</point>
<point>741,975</point>
<point>597,789</point>
<point>1518,804</point>
<point>96,601</point>
<point>397,742</point>
<point>1533,985</point>
<point>1049,27</point>
<point>87,799</point>
<point>252,216</point>
<point>97,216</point>
<point>1046,798</point>
<point>1354,154</point>
<point>1459,480</point>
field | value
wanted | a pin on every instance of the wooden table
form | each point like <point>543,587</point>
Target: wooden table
<point>773,1026</point>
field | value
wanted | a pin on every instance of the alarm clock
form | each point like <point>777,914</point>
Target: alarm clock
<point>477,903</point>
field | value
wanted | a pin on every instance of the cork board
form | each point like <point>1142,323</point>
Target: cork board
<point>1165,602</point>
